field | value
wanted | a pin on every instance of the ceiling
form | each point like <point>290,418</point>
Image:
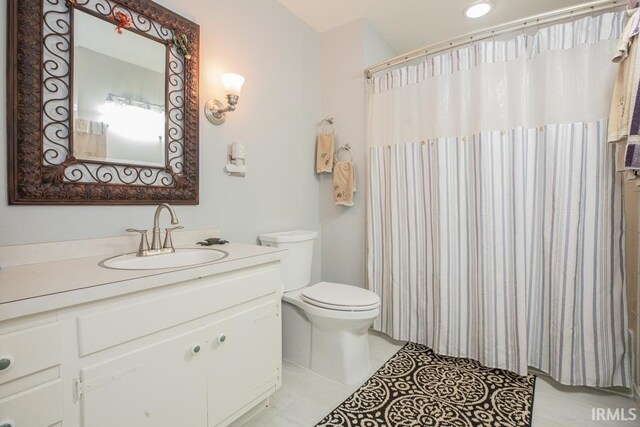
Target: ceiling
<point>411,24</point>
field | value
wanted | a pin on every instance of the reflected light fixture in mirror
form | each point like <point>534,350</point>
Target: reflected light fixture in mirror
<point>215,110</point>
<point>478,9</point>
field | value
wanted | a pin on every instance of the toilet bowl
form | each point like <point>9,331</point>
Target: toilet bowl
<point>325,325</point>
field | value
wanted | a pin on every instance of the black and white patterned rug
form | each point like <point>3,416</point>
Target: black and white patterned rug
<point>417,387</point>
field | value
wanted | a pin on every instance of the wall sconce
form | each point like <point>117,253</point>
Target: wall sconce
<point>215,110</point>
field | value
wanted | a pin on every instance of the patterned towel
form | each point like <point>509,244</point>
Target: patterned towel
<point>324,155</point>
<point>626,88</point>
<point>624,119</point>
<point>632,157</point>
<point>344,183</point>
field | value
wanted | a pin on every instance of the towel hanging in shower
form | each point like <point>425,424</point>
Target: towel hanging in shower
<point>624,118</point>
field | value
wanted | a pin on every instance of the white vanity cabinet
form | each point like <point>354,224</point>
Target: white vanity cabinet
<point>161,385</point>
<point>30,385</point>
<point>243,365</point>
<point>199,353</point>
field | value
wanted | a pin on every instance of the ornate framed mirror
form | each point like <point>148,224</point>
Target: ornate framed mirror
<point>102,103</point>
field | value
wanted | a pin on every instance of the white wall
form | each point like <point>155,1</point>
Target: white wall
<point>346,52</point>
<point>279,56</point>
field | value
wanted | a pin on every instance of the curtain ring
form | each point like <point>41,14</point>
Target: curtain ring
<point>493,41</point>
<point>536,37</point>
<point>573,30</point>
<point>451,56</point>
<point>476,53</point>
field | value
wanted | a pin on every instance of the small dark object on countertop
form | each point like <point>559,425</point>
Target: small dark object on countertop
<point>213,241</point>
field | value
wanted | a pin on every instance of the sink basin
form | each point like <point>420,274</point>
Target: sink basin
<point>180,258</point>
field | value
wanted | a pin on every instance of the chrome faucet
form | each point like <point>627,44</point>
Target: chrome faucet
<point>156,247</point>
<point>155,239</point>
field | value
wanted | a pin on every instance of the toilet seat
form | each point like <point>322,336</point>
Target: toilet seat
<point>339,297</point>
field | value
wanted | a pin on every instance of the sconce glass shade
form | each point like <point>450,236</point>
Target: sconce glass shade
<point>232,83</point>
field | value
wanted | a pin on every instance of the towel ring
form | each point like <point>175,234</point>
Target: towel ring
<point>329,122</point>
<point>345,147</point>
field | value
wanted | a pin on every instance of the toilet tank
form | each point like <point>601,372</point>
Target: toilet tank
<point>297,262</point>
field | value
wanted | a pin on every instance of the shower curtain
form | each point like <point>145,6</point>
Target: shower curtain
<point>495,224</point>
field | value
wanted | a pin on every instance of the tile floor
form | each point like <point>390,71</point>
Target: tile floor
<point>305,398</point>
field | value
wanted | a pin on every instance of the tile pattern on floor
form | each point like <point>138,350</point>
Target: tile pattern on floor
<point>305,398</point>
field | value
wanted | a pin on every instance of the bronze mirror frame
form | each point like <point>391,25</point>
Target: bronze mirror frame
<point>42,169</point>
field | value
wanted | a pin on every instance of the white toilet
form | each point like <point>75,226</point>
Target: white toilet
<point>324,326</point>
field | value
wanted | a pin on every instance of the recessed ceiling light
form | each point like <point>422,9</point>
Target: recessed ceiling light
<point>478,9</point>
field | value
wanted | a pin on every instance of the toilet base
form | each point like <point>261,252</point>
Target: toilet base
<point>337,349</point>
<point>339,354</point>
<point>296,336</point>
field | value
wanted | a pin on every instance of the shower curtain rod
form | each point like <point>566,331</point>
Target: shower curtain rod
<point>487,33</point>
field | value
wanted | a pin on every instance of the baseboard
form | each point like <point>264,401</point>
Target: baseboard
<point>244,415</point>
<point>620,391</point>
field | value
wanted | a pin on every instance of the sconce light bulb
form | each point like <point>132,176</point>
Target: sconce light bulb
<point>232,83</point>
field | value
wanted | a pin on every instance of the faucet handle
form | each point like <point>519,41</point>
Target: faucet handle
<point>135,230</point>
<point>144,241</point>
<point>168,243</point>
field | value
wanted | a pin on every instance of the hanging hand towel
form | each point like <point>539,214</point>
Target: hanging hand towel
<point>624,94</point>
<point>344,183</point>
<point>324,155</point>
<point>82,125</point>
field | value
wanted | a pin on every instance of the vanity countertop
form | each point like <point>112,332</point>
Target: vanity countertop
<point>27,289</point>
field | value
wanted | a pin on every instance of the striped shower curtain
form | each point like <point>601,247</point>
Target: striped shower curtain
<point>504,244</point>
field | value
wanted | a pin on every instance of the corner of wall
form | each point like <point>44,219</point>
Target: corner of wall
<point>345,53</point>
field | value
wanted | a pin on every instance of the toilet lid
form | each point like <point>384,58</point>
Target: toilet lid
<point>340,297</point>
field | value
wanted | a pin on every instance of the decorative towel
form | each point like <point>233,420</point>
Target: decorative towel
<point>626,56</point>
<point>91,127</point>
<point>82,125</point>
<point>90,147</point>
<point>632,157</point>
<point>624,118</point>
<point>324,155</point>
<point>630,30</point>
<point>623,104</point>
<point>344,183</point>
<point>97,128</point>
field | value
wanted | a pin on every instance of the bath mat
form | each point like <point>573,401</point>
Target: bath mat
<point>417,387</point>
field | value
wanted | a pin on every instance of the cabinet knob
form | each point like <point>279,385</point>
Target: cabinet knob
<point>8,423</point>
<point>195,349</point>
<point>5,363</point>
<point>222,338</point>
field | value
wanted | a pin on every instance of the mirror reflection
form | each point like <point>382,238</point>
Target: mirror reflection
<point>118,94</point>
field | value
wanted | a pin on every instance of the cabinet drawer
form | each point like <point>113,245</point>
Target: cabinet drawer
<point>29,351</point>
<point>107,328</point>
<point>40,406</point>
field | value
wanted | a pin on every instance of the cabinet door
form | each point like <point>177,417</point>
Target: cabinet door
<point>163,385</point>
<point>243,362</point>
